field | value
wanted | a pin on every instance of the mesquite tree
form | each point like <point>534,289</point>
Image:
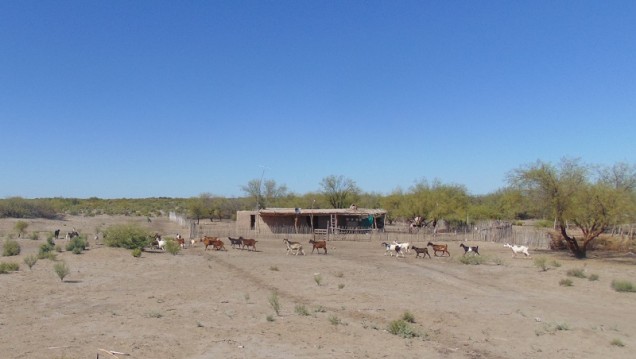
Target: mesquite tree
<point>573,195</point>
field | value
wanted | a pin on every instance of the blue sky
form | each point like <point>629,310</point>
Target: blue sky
<point>140,99</point>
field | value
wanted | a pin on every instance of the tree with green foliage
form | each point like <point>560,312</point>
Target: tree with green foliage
<point>340,191</point>
<point>265,193</point>
<point>573,195</point>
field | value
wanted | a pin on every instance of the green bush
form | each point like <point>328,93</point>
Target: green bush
<point>408,317</point>
<point>11,248</point>
<point>565,282</point>
<point>623,286</point>
<point>61,269</point>
<point>541,263</point>
<point>172,247</point>
<point>402,328</point>
<point>593,277</point>
<point>8,267</point>
<point>20,227</point>
<point>30,260</point>
<point>577,272</point>
<point>46,250</point>
<point>136,252</point>
<point>129,236</point>
<point>474,260</point>
<point>76,245</point>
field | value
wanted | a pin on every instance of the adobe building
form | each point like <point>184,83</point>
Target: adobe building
<point>304,221</point>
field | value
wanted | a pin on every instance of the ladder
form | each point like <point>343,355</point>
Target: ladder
<point>333,223</point>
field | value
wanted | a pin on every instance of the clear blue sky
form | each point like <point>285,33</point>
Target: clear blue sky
<point>155,98</point>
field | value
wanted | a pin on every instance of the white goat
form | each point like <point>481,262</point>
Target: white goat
<point>404,245</point>
<point>294,247</point>
<point>518,249</point>
<point>161,244</point>
<point>399,249</point>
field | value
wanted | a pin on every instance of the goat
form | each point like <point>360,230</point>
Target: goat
<point>248,243</point>
<point>468,249</point>
<point>234,242</point>
<point>317,245</point>
<point>293,247</point>
<point>181,241</point>
<point>216,243</point>
<point>404,245</point>
<point>518,249</point>
<point>57,233</point>
<point>192,242</point>
<point>72,234</point>
<point>419,251</point>
<point>439,248</point>
<point>392,247</point>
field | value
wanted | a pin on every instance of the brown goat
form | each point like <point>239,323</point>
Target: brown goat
<point>439,248</point>
<point>215,242</point>
<point>249,243</point>
<point>317,245</point>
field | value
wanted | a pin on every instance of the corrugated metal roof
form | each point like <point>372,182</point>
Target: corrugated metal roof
<point>317,212</point>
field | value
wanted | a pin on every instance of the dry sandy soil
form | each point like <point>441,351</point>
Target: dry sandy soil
<point>209,304</point>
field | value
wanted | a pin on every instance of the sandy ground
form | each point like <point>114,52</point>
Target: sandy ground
<point>212,304</point>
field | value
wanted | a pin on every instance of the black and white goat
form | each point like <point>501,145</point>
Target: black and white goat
<point>468,249</point>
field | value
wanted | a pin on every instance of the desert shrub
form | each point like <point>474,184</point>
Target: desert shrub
<point>11,248</point>
<point>8,267</point>
<point>129,236</point>
<point>270,318</point>
<point>20,227</point>
<point>565,282</point>
<point>34,236</point>
<point>76,244</point>
<point>333,319</point>
<point>172,247</point>
<point>341,285</point>
<point>301,310</point>
<point>408,317</point>
<point>339,274</point>
<point>541,263</point>
<point>317,278</point>
<point>623,286</point>
<point>58,248</point>
<point>30,260</point>
<point>474,260</point>
<point>576,272</point>
<point>274,302</point>
<point>555,264</point>
<point>273,268</point>
<point>402,328</point>
<point>136,252</point>
<point>61,269</point>
<point>617,342</point>
<point>593,277</point>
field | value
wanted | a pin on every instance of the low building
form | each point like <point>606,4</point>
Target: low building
<point>303,221</point>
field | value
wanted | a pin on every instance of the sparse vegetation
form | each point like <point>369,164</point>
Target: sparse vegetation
<point>317,278</point>
<point>20,227</point>
<point>10,248</point>
<point>270,318</point>
<point>341,285</point>
<point>541,263</point>
<point>408,317</point>
<point>565,282</point>
<point>333,319</point>
<point>30,260</point>
<point>555,264</point>
<point>593,277</point>
<point>301,310</point>
<point>402,329</point>
<point>34,236</point>
<point>623,286</point>
<point>274,302</point>
<point>273,268</point>
<point>136,252</point>
<point>339,274</point>
<point>6,267</point>
<point>61,269</point>
<point>474,260</point>
<point>576,272</point>
<point>154,314</point>
<point>617,342</point>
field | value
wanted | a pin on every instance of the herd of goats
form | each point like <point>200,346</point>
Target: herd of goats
<point>400,249</point>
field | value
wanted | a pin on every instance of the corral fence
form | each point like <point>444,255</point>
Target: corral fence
<point>487,231</point>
